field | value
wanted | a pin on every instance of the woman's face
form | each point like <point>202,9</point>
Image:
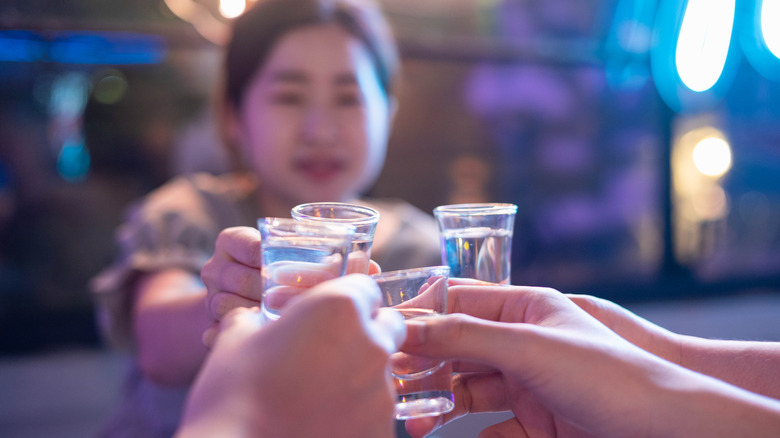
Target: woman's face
<point>314,121</point>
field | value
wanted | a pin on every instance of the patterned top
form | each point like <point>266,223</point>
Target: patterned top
<point>176,226</point>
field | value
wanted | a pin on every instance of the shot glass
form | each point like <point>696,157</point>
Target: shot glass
<point>476,240</point>
<point>298,255</point>
<point>364,219</point>
<point>423,385</point>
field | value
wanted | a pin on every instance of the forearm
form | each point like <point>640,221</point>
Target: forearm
<point>750,365</point>
<point>690,404</point>
<point>168,320</point>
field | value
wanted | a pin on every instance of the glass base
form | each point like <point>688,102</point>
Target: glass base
<point>268,315</point>
<point>423,404</point>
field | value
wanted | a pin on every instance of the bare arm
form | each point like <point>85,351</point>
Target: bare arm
<point>749,365</point>
<point>169,317</point>
<point>697,405</point>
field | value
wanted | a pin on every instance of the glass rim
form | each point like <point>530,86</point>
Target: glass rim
<point>484,208</point>
<point>328,228</point>
<point>413,272</point>
<point>371,216</point>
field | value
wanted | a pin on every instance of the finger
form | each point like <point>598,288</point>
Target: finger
<point>373,268</point>
<point>360,288</point>
<point>431,295</point>
<point>479,392</point>
<point>391,329</point>
<point>482,301</point>
<point>510,428</point>
<point>436,282</point>
<point>210,335</point>
<point>465,366</point>
<point>459,281</point>
<point>220,303</point>
<point>495,302</point>
<point>473,393</point>
<point>242,244</point>
<point>465,337</point>
<point>420,427</point>
<point>300,274</point>
<point>234,277</point>
<point>240,319</point>
<point>366,293</point>
<point>358,263</point>
<point>277,297</point>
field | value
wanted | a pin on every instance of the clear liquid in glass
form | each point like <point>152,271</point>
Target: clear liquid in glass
<point>360,254</point>
<point>293,267</point>
<point>479,253</point>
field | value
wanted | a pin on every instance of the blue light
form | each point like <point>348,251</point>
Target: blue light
<point>628,44</point>
<point>760,36</point>
<point>74,160</point>
<point>113,49</point>
<point>703,43</point>
<point>20,46</point>
<point>693,60</point>
<point>107,48</point>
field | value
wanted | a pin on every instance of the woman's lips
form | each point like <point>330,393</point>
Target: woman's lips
<point>319,170</point>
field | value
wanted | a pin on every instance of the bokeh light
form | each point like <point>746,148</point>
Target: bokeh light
<point>111,87</point>
<point>770,25</point>
<point>231,8</point>
<point>712,156</point>
<point>704,40</point>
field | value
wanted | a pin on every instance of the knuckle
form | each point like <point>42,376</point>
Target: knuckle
<point>221,304</point>
<point>454,326</point>
<point>212,305</point>
<point>549,291</point>
<point>224,236</point>
<point>255,255</point>
<point>340,312</point>
<point>207,272</point>
<point>340,306</point>
<point>241,278</point>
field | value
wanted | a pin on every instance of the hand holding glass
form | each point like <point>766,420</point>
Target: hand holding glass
<point>298,255</point>
<point>423,385</point>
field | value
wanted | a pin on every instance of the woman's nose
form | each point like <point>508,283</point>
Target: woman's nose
<point>319,127</point>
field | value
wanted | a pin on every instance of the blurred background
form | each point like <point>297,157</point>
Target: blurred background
<point>639,138</point>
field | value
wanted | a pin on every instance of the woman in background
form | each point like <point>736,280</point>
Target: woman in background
<point>306,109</point>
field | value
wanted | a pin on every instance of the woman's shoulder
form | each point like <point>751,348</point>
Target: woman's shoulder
<point>195,192</point>
<point>406,236</point>
<point>400,214</point>
<point>229,185</point>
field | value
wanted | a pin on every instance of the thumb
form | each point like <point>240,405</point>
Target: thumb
<point>241,320</point>
<point>389,329</point>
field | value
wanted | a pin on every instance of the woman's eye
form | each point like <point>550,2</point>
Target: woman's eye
<point>348,99</point>
<point>287,99</point>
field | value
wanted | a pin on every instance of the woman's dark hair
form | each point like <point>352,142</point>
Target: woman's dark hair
<point>258,29</point>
